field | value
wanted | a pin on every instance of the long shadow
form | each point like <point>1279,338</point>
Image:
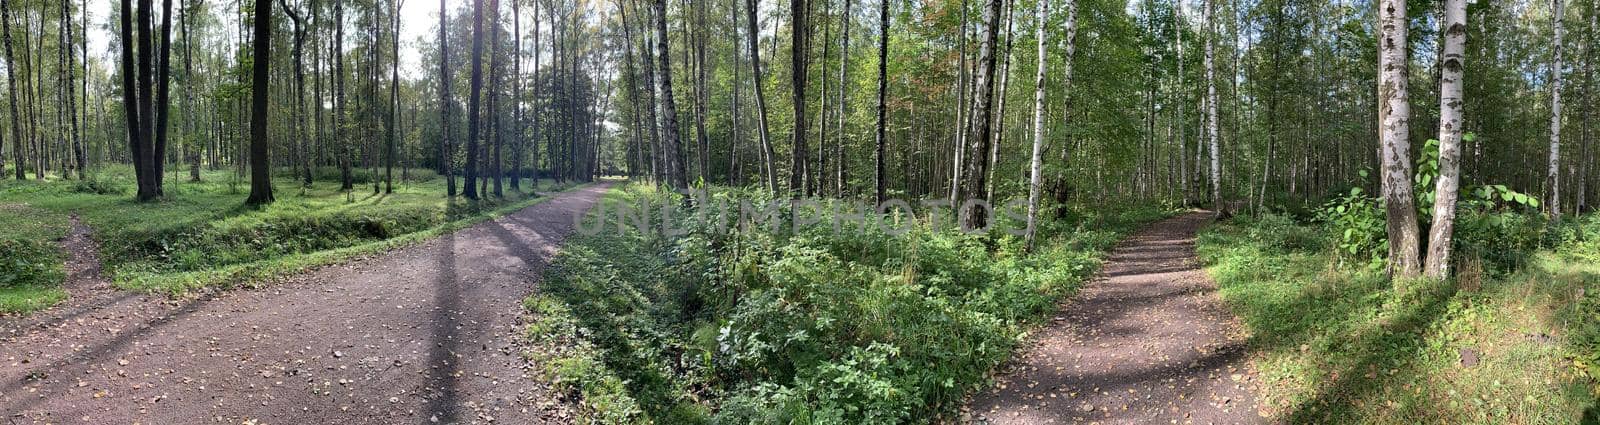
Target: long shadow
<point>602,311</point>
<point>1115,383</point>
<point>1352,384</point>
<point>22,325</point>
<point>97,354</point>
<point>442,363</point>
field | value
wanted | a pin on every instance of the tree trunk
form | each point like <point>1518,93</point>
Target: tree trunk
<point>844,101</point>
<point>1588,112</point>
<point>1450,122</point>
<point>961,118</point>
<point>1183,136</point>
<point>975,171</point>
<point>163,98</point>
<point>669,108</point>
<point>394,101</point>
<point>1553,182</point>
<point>11,87</point>
<point>770,170</point>
<point>446,152</point>
<point>495,65</point>
<point>878,182</point>
<point>78,148</point>
<point>704,144</point>
<point>346,180</point>
<point>998,135</point>
<point>300,91</point>
<point>260,173</point>
<point>799,33</point>
<point>470,190</point>
<point>1036,164</point>
<point>1217,202</point>
<point>1394,111</point>
<point>148,188</point>
<point>516,95</point>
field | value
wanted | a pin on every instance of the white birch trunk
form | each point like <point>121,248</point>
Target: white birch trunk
<point>1211,111</point>
<point>1036,165</point>
<point>1554,182</point>
<point>1450,122</point>
<point>1394,112</point>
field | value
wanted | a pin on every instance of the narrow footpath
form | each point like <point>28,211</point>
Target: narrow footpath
<point>1147,342</point>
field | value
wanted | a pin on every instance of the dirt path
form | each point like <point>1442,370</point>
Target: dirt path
<point>1146,343</point>
<point>424,334</point>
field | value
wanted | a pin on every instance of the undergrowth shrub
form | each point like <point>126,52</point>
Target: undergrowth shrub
<point>29,262</point>
<point>813,325</point>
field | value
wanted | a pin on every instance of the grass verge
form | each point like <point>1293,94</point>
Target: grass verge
<point>1340,343</point>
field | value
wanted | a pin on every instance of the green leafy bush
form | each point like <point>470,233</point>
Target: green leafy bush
<point>813,325</point>
<point>1358,221</point>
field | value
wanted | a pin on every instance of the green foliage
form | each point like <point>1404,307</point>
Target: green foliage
<point>813,325</point>
<point>28,263</point>
<point>1358,221</point>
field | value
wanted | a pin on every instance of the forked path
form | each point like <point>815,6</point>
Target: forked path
<point>1147,342</point>
<point>423,334</point>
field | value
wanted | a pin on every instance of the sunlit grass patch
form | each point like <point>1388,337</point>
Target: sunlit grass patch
<point>1342,344</point>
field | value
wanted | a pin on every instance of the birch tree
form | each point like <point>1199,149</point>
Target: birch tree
<point>1211,110</point>
<point>975,168</point>
<point>770,170</point>
<point>1036,164</point>
<point>1553,183</point>
<point>1394,111</point>
<point>1446,188</point>
<point>669,108</point>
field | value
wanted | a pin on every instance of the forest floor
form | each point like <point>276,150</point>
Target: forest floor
<point>423,334</point>
<point>1148,342</point>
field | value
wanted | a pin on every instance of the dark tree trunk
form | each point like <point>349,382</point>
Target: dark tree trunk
<point>148,187</point>
<point>669,108</point>
<point>473,120</point>
<point>495,67</point>
<point>800,31</point>
<point>163,97</point>
<point>11,84</point>
<point>771,170</point>
<point>394,102</point>
<point>975,168</point>
<point>883,89</point>
<point>347,182</point>
<point>446,152</point>
<point>260,174</point>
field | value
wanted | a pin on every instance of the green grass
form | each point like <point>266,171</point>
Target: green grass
<point>803,327</point>
<point>23,299</point>
<point>1341,344</point>
<point>201,234</point>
